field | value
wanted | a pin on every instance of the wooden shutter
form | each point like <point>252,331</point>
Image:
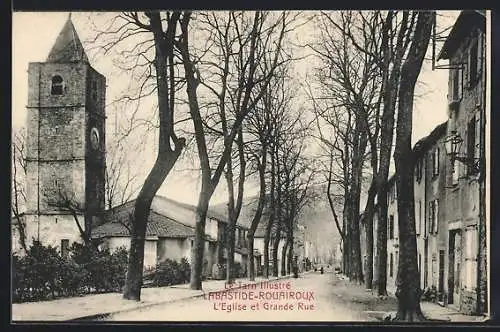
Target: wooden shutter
<point>480,53</point>
<point>436,215</point>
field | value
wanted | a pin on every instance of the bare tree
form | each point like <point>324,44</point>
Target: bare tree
<point>18,180</point>
<point>408,279</point>
<point>350,80</point>
<point>121,179</point>
<point>389,36</point>
<point>261,39</point>
<point>64,199</point>
<point>155,58</point>
<point>260,128</point>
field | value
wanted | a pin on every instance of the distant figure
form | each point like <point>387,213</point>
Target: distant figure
<point>321,270</point>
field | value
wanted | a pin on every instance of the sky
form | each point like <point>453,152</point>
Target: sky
<point>34,34</point>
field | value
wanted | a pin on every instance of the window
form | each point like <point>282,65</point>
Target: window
<point>473,64</point>
<point>396,258</point>
<point>471,144</point>
<point>391,227</point>
<point>433,216</point>
<point>391,265</point>
<point>470,267</point>
<point>57,85</point>
<point>457,85</point>
<point>64,248</point>
<point>419,263</point>
<point>435,162</point>
<point>418,217</point>
<point>419,170</point>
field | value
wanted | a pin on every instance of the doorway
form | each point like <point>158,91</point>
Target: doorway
<point>441,275</point>
<point>454,269</point>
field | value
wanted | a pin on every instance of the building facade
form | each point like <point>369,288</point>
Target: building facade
<point>449,182</point>
<point>466,52</point>
<point>65,143</point>
<point>430,213</point>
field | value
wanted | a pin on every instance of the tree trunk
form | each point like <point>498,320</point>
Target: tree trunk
<point>382,241</point>
<point>133,282</point>
<point>166,155</point>
<point>284,252</point>
<point>277,239</point>
<point>290,261</point>
<point>408,279</point>
<point>258,213</point>
<point>234,208</point>
<point>199,240</point>
<point>368,221</point>
<point>230,240</point>
<point>266,254</point>
<point>390,85</point>
<point>251,257</point>
<point>270,222</point>
<point>346,252</point>
<point>355,192</point>
<point>482,260</point>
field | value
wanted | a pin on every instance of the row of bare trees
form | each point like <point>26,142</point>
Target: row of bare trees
<point>226,73</point>
<point>369,63</point>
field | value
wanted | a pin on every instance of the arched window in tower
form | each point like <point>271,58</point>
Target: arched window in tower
<point>57,85</point>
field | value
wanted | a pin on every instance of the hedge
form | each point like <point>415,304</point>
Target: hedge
<point>171,272</point>
<point>42,274</point>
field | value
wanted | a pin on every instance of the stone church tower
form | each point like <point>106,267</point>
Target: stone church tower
<point>65,144</point>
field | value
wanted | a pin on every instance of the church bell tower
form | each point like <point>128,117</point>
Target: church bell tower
<point>65,144</point>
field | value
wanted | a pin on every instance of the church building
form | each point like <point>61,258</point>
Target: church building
<point>65,144</point>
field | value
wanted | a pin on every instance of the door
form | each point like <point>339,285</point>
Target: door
<point>451,266</point>
<point>457,268</point>
<point>426,260</point>
<point>441,273</point>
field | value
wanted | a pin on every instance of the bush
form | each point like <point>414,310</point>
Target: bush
<point>185,268</point>
<point>43,274</point>
<point>73,278</point>
<point>105,269</point>
<point>38,274</point>
<point>430,294</point>
<point>219,271</point>
<point>168,273</point>
<point>238,271</point>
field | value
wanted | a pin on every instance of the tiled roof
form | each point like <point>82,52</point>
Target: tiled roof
<point>465,22</point>
<point>211,213</point>
<point>426,142</point>
<point>158,225</point>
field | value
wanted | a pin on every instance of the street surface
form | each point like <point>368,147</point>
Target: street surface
<point>311,297</point>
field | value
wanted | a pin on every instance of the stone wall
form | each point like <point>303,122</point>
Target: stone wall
<point>60,165</point>
<point>51,229</point>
